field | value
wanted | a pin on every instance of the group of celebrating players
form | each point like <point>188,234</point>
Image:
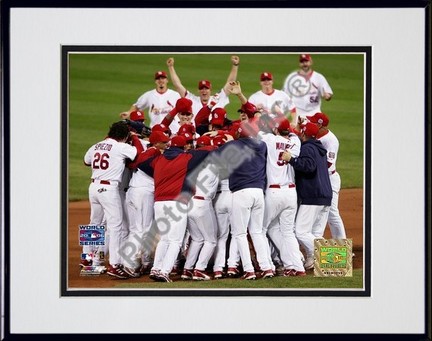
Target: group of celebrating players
<point>189,192</point>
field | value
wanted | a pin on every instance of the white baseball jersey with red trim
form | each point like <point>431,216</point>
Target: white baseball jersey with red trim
<point>335,222</point>
<point>331,143</point>
<point>107,159</point>
<point>306,92</point>
<point>141,179</point>
<point>268,102</point>
<point>157,104</point>
<point>197,104</point>
<point>277,170</point>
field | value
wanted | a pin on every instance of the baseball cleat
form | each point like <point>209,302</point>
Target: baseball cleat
<point>267,273</point>
<point>154,274</point>
<point>309,264</point>
<point>292,272</point>
<point>135,273</point>
<point>117,271</point>
<point>249,275</point>
<point>161,277</point>
<point>233,272</point>
<point>217,274</point>
<point>187,274</point>
<point>199,275</point>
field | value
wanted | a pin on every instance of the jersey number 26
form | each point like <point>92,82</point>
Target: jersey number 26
<point>101,161</point>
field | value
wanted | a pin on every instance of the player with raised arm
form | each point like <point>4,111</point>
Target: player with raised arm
<point>205,97</point>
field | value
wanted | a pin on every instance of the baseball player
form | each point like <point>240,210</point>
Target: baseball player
<point>205,97</point>
<point>313,188</point>
<point>202,224</point>
<point>107,159</point>
<point>247,177</point>
<point>158,102</point>
<point>271,101</point>
<point>139,203</point>
<point>281,197</point>
<point>173,191</point>
<point>136,119</point>
<point>182,110</point>
<point>331,143</point>
<point>222,204</point>
<point>307,87</point>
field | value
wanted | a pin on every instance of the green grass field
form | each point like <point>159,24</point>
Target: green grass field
<point>306,282</point>
<point>100,86</point>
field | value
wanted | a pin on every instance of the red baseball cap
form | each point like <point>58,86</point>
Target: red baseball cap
<point>218,116</point>
<point>158,136</point>
<point>186,128</point>
<point>204,84</point>
<point>305,57</point>
<point>188,137</point>
<point>266,75</point>
<point>310,129</point>
<point>203,141</point>
<point>284,126</point>
<point>137,116</point>
<point>319,118</point>
<point>161,127</point>
<point>218,140</point>
<point>178,141</point>
<point>160,74</point>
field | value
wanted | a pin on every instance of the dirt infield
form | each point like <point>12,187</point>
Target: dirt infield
<point>350,205</point>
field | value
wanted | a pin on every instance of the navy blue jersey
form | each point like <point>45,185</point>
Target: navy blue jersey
<point>245,161</point>
<point>311,174</point>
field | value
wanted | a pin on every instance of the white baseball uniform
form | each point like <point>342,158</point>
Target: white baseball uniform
<point>197,105</point>
<point>222,204</point>
<point>107,160</point>
<point>139,203</point>
<point>306,92</point>
<point>268,102</point>
<point>335,222</point>
<point>158,105</point>
<point>202,223</point>
<point>247,181</point>
<point>281,200</point>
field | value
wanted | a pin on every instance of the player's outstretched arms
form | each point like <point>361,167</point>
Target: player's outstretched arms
<point>175,78</point>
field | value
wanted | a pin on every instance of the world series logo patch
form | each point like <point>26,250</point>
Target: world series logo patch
<point>91,235</point>
<point>333,257</point>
